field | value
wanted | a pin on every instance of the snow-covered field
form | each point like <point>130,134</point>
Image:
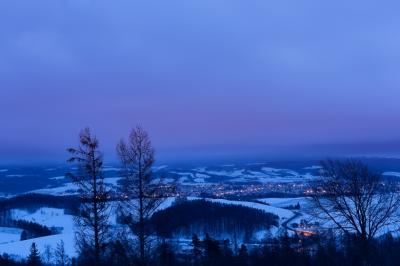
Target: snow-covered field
<point>21,249</point>
<point>258,175</point>
<point>285,202</point>
<point>66,189</point>
<point>9,234</point>
<point>202,176</point>
<point>396,174</point>
<point>56,182</point>
<point>57,177</point>
<point>51,217</point>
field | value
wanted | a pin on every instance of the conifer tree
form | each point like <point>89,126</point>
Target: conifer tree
<point>93,218</point>
<point>34,256</point>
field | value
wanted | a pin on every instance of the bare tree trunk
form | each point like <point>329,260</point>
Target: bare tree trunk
<point>95,212</point>
<point>141,216</point>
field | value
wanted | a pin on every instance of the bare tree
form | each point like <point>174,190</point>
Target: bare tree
<point>47,255</point>
<point>93,219</point>
<point>61,257</point>
<point>142,193</point>
<point>355,200</point>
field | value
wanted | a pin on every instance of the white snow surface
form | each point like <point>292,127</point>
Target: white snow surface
<point>15,175</point>
<point>9,234</point>
<point>396,174</point>
<point>50,217</point>
<point>21,249</point>
<point>314,167</point>
<point>66,189</point>
<point>285,202</point>
<point>110,168</point>
<point>57,177</point>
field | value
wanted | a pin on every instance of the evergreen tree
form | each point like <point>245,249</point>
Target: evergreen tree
<point>119,254</point>
<point>5,260</point>
<point>197,251</point>
<point>227,253</point>
<point>93,217</point>
<point>24,235</point>
<point>34,257</point>
<point>226,249</point>
<point>212,250</point>
<point>166,256</point>
<point>196,244</point>
<point>243,255</point>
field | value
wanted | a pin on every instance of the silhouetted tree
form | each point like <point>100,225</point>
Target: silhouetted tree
<point>47,255</point>
<point>5,260</point>
<point>212,250</point>
<point>355,200</point>
<point>243,255</point>
<point>118,254</point>
<point>197,251</point>
<point>165,254</point>
<point>24,235</point>
<point>92,221</point>
<point>226,249</point>
<point>60,256</point>
<point>142,194</point>
<point>34,256</point>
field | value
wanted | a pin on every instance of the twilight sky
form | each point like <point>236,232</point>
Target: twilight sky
<point>205,78</point>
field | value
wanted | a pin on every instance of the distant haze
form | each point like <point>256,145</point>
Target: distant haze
<point>206,78</point>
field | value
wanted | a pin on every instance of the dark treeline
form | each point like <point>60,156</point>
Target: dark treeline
<point>33,201</point>
<point>30,229</point>
<point>256,196</point>
<point>282,251</point>
<point>189,217</point>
